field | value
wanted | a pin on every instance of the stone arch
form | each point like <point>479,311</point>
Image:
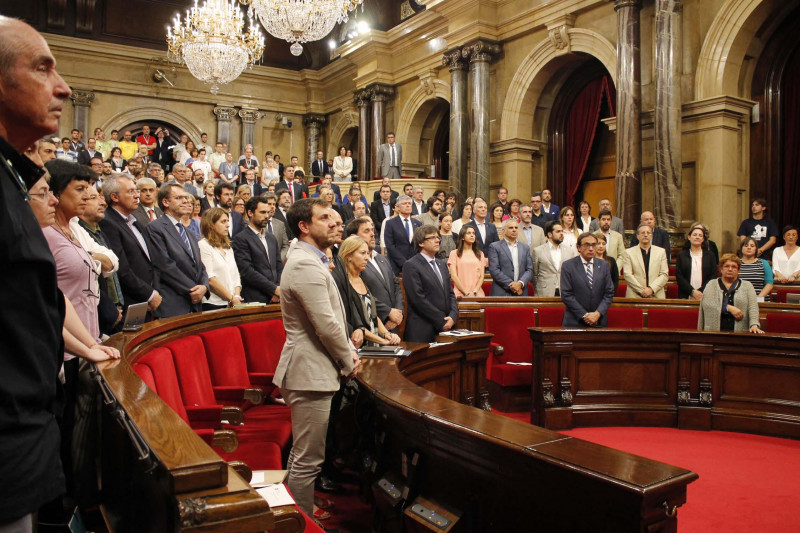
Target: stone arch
<point>536,70</point>
<point>120,120</point>
<point>727,43</point>
<point>428,90</point>
<point>347,120</point>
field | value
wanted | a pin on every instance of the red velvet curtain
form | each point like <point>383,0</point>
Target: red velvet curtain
<point>791,144</point>
<point>581,129</point>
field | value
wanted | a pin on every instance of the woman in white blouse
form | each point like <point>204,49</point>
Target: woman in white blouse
<point>270,171</point>
<point>785,259</point>
<point>342,166</point>
<point>217,256</point>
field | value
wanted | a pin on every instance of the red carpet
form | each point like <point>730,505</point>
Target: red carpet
<point>747,482</point>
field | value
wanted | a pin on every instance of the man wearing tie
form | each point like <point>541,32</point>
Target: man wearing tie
<point>320,167</point>
<point>382,208</point>
<point>147,211</point>
<point>510,263</point>
<point>399,234</point>
<point>431,301</point>
<point>486,232</point>
<point>390,156</point>
<point>257,255</point>
<point>586,286</point>
<point>183,277</point>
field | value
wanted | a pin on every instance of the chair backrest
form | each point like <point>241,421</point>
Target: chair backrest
<point>622,288</point>
<point>551,317</point>
<point>146,374</point>
<point>625,317</point>
<point>672,319</point>
<point>194,377</point>
<point>226,359</point>
<point>780,295</point>
<point>782,323</point>
<point>510,328</point>
<point>263,343</point>
<point>165,377</point>
<point>672,291</point>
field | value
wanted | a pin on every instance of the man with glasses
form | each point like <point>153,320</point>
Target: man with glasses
<point>538,215</point>
<point>182,276</point>
<point>431,301</point>
<point>586,286</point>
<point>399,234</point>
<point>645,266</point>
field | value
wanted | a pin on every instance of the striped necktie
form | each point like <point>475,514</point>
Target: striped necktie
<point>589,274</point>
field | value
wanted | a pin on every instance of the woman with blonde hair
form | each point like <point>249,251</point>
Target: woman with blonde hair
<point>217,256</point>
<point>355,255</point>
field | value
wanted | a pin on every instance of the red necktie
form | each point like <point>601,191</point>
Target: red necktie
<point>152,214</point>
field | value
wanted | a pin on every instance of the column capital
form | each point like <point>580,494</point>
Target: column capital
<point>379,92</point>
<point>249,116</point>
<point>314,119</point>
<point>620,4</point>
<point>224,113</point>
<point>481,50</point>
<point>454,60</point>
<point>81,97</point>
<point>361,97</point>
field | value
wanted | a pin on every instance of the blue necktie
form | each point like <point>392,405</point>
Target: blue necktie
<point>438,273</point>
<point>185,238</point>
<point>269,227</point>
<point>408,229</point>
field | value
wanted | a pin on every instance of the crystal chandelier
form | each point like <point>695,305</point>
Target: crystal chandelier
<point>300,21</point>
<point>211,43</point>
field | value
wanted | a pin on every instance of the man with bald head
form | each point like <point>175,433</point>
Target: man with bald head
<point>32,95</point>
<point>660,236</point>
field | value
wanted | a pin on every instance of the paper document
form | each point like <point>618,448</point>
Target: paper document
<point>460,332</point>
<point>262,478</point>
<point>522,364</point>
<point>276,495</point>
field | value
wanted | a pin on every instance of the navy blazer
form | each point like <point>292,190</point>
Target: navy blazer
<point>397,245</point>
<point>491,234</point>
<point>257,187</point>
<point>237,223</point>
<point>178,271</point>
<point>377,214</point>
<point>578,298</point>
<point>376,196</point>
<point>429,302</point>
<point>260,275</point>
<point>300,191</point>
<point>384,287</point>
<point>137,276</point>
<point>501,267</point>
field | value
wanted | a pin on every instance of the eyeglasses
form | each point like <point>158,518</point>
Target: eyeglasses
<point>43,196</point>
<point>433,238</point>
<point>589,245</point>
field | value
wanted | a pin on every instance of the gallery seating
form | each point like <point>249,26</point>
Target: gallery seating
<point>508,369</point>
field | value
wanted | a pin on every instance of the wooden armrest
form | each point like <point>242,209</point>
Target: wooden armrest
<point>242,469</point>
<point>225,439</point>
<point>233,415</point>
<point>497,350</point>
<point>233,394</point>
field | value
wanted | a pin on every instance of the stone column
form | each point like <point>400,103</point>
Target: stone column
<point>378,95</point>
<point>362,101</point>
<point>479,53</point>
<point>224,116</point>
<point>249,117</point>
<point>459,121</point>
<point>313,123</point>
<point>668,114</point>
<point>629,101</point>
<point>81,100</point>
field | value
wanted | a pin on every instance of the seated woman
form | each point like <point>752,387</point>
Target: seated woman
<point>696,264</point>
<point>466,264</point>
<point>600,252</point>
<point>729,303</point>
<point>355,255</point>
<point>785,259</point>
<point>755,270</point>
<point>217,256</point>
<point>448,241</point>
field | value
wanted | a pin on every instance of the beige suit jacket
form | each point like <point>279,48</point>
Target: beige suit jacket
<point>538,238</point>
<point>546,275</point>
<point>635,274</point>
<point>317,347</point>
<point>615,247</point>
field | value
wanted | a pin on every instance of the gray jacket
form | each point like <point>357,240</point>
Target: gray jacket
<point>711,307</point>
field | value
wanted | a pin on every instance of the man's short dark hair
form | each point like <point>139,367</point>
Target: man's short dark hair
<point>354,226</point>
<point>584,235</point>
<point>299,174</point>
<point>282,192</point>
<point>164,191</point>
<point>302,211</point>
<point>431,201</point>
<point>252,204</point>
<point>223,185</point>
<point>114,131</point>
<point>96,157</point>
<point>62,172</point>
<point>603,213</point>
<point>761,201</point>
<point>202,150</point>
<point>203,133</point>
<point>421,233</point>
<point>73,130</point>
<point>549,225</point>
<point>355,189</point>
<point>386,187</point>
<point>537,193</point>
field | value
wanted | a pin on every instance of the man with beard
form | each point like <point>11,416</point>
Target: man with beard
<point>284,203</point>
<point>615,246</point>
<point>257,255</point>
<point>431,215</point>
<point>224,194</point>
<point>182,275</point>
<point>547,261</point>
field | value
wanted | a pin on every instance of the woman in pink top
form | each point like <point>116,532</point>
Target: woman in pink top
<point>466,264</point>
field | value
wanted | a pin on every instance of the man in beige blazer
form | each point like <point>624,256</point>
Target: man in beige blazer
<point>646,269</point>
<point>529,233</point>
<point>547,261</point>
<point>615,243</point>
<point>317,352</point>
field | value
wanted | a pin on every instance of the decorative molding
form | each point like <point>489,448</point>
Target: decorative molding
<point>192,511</point>
<point>380,92</point>
<point>548,399</point>
<point>622,4</point>
<point>314,119</point>
<point>406,10</point>
<point>426,80</point>
<point>361,97</point>
<point>56,13</point>
<point>249,116</point>
<point>558,30</point>
<point>224,113</point>
<point>481,50</point>
<point>454,60</point>
<point>81,98</point>
<point>566,392</point>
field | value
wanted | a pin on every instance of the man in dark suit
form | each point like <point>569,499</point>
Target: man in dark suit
<point>147,210</point>
<point>378,276</point>
<point>383,206</point>
<point>586,286</point>
<point>258,256</point>
<point>224,194</point>
<point>298,189</point>
<point>386,182</point>
<point>162,154</point>
<point>510,263</point>
<point>660,236</point>
<point>86,155</point>
<point>485,231</point>
<point>249,178</point>
<point>284,203</point>
<point>126,237</point>
<point>431,301</point>
<point>399,234</point>
<point>418,204</point>
<point>320,167</point>
<point>183,281</point>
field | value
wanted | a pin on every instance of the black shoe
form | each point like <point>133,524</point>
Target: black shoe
<point>326,484</point>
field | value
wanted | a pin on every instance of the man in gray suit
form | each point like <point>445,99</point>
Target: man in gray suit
<point>616,223</point>
<point>379,276</point>
<point>390,156</point>
<point>274,226</point>
<point>184,281</point>
<point>529,233</point>
<point>509,263</point>
<point>317,352</point>
<point>147,210</point>
<point>547,261</point>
